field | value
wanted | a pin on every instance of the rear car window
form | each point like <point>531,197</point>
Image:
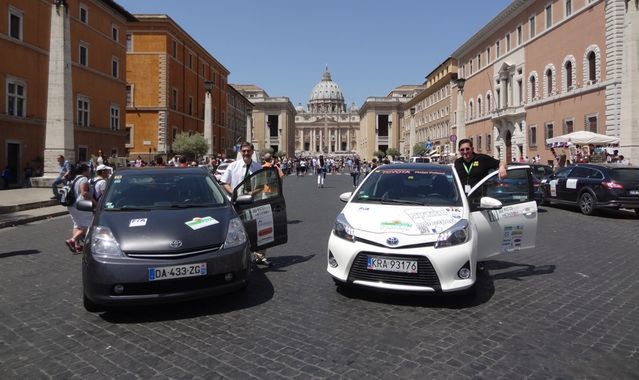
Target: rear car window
<point>629,174</point>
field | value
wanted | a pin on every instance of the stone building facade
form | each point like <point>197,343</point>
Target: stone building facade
<point>166,76</point>
<point>541,69</point>
<point>63,82</point>
<point>327,126</point>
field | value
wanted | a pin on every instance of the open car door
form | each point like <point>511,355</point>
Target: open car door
<point>259,201</point>
<point>508,228</point>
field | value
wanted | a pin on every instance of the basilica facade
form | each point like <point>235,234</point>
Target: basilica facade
<point>326,126</point>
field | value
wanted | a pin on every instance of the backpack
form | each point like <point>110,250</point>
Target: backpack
<point>92,184</point>
<point>67,193</point>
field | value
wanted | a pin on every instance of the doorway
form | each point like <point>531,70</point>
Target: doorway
<point>508,142</point>
<point>13,162</point>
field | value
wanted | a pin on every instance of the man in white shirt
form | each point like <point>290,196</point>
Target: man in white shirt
<point>240,169</point>
<point>235,174</point>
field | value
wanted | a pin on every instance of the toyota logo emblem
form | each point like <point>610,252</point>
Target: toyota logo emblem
<point>392,241</point>
<point>175,244</point>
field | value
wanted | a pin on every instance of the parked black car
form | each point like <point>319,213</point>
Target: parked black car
<point>538,171</point>
<point>594,186</point>
<point>168,234</point>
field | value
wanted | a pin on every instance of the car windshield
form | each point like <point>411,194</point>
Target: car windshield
<point>431,186</point>
<point>625,175</point>
<point>139,190</point>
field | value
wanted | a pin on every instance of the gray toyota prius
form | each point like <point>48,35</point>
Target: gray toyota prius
<point>167,234</point>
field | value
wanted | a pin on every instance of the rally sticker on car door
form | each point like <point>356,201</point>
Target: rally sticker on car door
<point>263,216</point>
<point>513,236</point>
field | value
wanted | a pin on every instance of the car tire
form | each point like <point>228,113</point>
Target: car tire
<point>587,203</point>
<point>91,306</point>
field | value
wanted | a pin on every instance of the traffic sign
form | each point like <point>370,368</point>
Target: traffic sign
<point>453,138</point>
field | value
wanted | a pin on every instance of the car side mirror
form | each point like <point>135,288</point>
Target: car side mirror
<point>244,199</point>
<point>85,205</point>
<point>489,203</point>
<point>344,197</point>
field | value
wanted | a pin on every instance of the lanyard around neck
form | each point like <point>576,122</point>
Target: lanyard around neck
<point>468,168</point>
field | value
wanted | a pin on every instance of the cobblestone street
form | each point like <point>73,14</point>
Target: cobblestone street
<point>567,309</point>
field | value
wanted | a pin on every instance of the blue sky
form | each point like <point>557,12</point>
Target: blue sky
<point>370,47</point>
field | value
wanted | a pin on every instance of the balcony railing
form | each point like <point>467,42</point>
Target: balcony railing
<point>508,112</point>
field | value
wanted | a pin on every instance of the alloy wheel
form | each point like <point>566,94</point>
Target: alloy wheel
<point>587,203</point>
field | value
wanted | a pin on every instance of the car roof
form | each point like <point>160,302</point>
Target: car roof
<point>152,170</point>
<point>606,165</point>
<point>417,166</point>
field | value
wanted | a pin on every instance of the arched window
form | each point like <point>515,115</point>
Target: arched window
<point>470,110</point>
<point>488,103</point>
<point>479,110</point>
<point>592,67</point>
<point>568,75</point>
<point>533,87</point>
<point>549,81</point>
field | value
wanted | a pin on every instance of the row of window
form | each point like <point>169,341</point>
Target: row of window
<point>477,64</point>
<point>433,98</point>
<point>478,143</point>
<point>16,105</point>
<point>591,123</point>
<point>438,131</point>
<point>16,21</point>
<point>83,59</point>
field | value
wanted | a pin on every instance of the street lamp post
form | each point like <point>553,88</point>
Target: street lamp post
<point>208,121</point>
<point>389,137</point>
<point>461,112</point>
<point>411,140</point>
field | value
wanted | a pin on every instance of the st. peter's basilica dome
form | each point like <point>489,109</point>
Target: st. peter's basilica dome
<point>326,96</point>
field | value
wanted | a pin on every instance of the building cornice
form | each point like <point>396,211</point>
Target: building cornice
<point>496,23</point>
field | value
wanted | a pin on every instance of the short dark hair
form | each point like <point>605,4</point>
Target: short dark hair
<point>464,141</point>
<point>247,144</point>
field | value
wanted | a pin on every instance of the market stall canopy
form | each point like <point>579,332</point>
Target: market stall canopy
<point>582,138</point>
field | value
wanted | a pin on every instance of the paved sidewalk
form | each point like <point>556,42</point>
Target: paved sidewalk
<point>20,206</point>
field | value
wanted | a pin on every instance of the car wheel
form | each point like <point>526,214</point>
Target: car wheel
<point>91,306</point>
<point>587,203</point>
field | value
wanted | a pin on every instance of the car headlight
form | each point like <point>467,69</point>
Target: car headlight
<point>457,234</point>
<point>343,229</point>
<point>236,235</point>
<point>103,243</point>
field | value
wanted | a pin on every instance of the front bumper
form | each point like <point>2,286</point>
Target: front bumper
<point>437,268</point>
<point>100,276</point>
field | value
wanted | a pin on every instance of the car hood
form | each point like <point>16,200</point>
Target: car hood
<point>417,224</point>
<point>159,230</point>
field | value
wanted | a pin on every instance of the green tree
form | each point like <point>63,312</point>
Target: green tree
<point>191,146</point>
<point>379,154</point>
<point>392,152</point>
<point>419,150</point>
<point>268,150</point>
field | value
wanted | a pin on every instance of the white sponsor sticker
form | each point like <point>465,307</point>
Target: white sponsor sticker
<point>553,188</point>
<point>137,222</point>
<point>571,183</point>
<point>263,216</point>
<point>197,223</point>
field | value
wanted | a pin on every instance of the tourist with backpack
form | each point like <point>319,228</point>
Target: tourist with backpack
<point>80,190</point>
<point>98,183</point>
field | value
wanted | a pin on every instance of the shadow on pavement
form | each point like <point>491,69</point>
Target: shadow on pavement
<point>281,262</point>
<point>295,221</point>
<point>480,294</point>
<point>519,270</point>
<point>259,291</point>
<point>19,253</point>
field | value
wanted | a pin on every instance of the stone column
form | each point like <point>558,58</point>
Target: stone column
<point>503,83</point>
<point>208,123</point>
<point>629,134</point>
<point>59,139</point>
<point>348,140</point>
<point>249,127</point>
<point>461,114</point>
<point>321,141</point>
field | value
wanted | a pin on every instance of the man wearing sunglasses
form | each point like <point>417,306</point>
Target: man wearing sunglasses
<point>472,167</point>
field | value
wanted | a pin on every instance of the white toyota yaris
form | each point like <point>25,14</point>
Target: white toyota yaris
<point>409,227</point>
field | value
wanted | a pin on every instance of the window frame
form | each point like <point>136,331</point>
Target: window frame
<point>587,124</point>
<point>17,82</point>
<point>115,33</point>
<point>13,11</point>
<point>85,46</point>
<point>84,18</point>
<point>532,135</point>
<point>130,88</point>
<point>548,15</point>
<point>174,100</point>
<point>130,130</point>
<point>114,117</point>
<point>549,125</point>
<point>565,122</point>
<point>84,111</point>
<point>532,26</point>
<point>129,42</point>
<point>115,67</point>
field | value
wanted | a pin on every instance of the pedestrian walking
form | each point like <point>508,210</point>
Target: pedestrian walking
<point>356,169</point>
<point>81,219</point>
<point>321,171</point>
<point>6,177</point>
<point>64,171</point>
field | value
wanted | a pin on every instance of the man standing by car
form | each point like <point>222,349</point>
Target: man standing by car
<point>235,174</point>
<point>472,167</point>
